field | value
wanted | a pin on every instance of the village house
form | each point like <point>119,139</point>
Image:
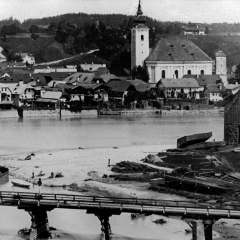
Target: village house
<point>50,99</point>
<point>232,88</point>
<point>213,92</point>
<point>88,93</point>
<point>22,93</point>
<point>185,88</point>
<point>190,30</point>
<point>27,58</point>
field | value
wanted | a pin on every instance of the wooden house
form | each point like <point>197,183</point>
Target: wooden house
<point>232,120</point>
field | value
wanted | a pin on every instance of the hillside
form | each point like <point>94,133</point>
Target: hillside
<point>82,32</point>
<point>44,48</point>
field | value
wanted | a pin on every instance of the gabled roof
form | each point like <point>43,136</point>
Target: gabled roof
<point>92,86</point>
<point>232,86</point>
<point>193,29</point>
<point>52,95</point>
<point>80,77</point>
<point>178,83</point>
<point>204,80</point>
<point>2,56</point>
<point>107,77</point>
<point>213,88</point>
<point>102,70</point>
<point>20,88</point>
<point>119,85</point>
<point>140,85</point>
<point>175,49</point>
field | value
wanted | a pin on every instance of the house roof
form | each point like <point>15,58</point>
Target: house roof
<point>119,85</point>
<point>232,86</point>
<point>92,86</point>
<point>80,77</point>
<point>2,56</point>
<point>107,77</point>
<point>52,95</point>
<point>179,83</point>
<point>175,49</point>
<point>140,85</point>
<point>102,70</point>
<point>193,29</point>
<point>213,88</point>
<point>204,80</point>
<point>20,88</point>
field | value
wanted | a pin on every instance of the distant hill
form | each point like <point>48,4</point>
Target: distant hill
<point>222,36</point>
<point>45,49</point>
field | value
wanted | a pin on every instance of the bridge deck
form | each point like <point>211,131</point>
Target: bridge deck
<point>136,205</point>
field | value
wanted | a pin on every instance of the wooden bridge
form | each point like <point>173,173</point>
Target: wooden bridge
<point>104,207</point>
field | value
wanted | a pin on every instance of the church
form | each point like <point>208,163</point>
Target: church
<point>169,57</point>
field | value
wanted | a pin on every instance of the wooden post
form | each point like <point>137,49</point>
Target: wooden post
<point>39,226</point>
<point>208,223</point>
<point>108,162</point>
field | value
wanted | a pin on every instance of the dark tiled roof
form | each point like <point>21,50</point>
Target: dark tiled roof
<point>119,85</point>
<point>80,77</point>
<point>193,29</point>
<point>102,70</point>
<point>213,88</point>
<point>179,83</point>
<point>175,49</point>
<point>204,80</point>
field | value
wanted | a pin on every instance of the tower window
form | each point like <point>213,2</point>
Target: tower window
<point>153,74</point>
<point>142,37</point>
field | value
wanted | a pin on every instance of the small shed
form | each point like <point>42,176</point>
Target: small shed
<point>232,120</point>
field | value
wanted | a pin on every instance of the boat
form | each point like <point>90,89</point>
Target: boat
<point>23,185</point>
<point>109,112</point>
<point>193,139</point>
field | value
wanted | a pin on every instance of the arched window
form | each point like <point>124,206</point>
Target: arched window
<point>189,72</point>
<point>142,37</point>
<point>163,74</point>
<point>202,72</point>
<point>176,73</point>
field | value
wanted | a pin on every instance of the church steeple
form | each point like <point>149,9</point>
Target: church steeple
<point>139,18</point>
<point>139,11</point>
<point>139,39</point>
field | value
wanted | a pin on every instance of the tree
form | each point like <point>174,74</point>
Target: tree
<point>34,36</point>
<point>34,29</point>
<point>140,73</point>
<point>237,71</point>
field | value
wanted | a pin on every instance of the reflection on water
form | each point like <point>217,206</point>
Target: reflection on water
<point>29,135</point>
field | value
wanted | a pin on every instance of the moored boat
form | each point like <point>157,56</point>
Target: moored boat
<point>193,139</point>
<point>18,184</point>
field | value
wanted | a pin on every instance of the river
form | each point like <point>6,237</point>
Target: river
<point>31,135</point>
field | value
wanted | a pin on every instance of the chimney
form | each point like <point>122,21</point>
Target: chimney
<point>220,87</point>
<point>20,82</point>
<point>236,83</point>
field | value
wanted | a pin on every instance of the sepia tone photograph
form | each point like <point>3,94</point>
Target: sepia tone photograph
<point>120,120</point>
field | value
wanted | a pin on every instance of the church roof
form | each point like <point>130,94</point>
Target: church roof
<point>175,49</point>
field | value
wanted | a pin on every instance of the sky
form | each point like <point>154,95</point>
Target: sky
<point>201,11</point>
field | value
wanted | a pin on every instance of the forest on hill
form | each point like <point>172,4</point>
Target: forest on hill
<point>67,35</point>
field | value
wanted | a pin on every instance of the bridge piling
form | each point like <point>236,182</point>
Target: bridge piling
<point>39,226</point>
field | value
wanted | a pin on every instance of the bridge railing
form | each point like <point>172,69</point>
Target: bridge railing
<point>75,199</point>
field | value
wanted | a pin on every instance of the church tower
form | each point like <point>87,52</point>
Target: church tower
<point>221,66</point>
<point>139,39</point>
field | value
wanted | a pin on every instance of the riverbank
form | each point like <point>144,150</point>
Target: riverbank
<point>82,170</point>
<point>85,113</point>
